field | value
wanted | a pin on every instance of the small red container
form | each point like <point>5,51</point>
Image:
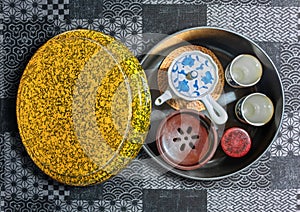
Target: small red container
<point>236,142</point>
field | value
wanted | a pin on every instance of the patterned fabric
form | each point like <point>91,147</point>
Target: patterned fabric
<point>290,75</point>
<point>226,2</point>
<point>20,40</point>
<point>298,199</point>
<point>23,10</point>
<point>288,139</point>
<point>122,8</point>
<point>251,200</point>
<point>270,184</point>
<point>259,23</point>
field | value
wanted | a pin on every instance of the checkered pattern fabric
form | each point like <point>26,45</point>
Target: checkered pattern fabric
<point>55,191</point>
<point>56,9</point>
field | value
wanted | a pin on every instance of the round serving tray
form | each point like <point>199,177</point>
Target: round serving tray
<point>225,45</point>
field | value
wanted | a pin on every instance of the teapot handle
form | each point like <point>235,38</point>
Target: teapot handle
<point>162,98</point>
<point>216,111</point>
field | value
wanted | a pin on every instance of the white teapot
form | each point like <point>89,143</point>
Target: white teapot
<point>193,75</point>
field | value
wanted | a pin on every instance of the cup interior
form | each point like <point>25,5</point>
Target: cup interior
<point>257,109</point>
<point>246,70</point>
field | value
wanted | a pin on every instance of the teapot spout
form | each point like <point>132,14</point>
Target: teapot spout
<point>163,98</point>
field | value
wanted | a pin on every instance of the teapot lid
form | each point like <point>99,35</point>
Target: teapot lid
<point>192,75</point>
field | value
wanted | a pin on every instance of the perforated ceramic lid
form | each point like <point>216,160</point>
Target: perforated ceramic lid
<point>186,139</point>
<point>192,75</point>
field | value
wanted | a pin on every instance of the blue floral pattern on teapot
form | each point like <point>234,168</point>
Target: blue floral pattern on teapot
<point>193,75</point>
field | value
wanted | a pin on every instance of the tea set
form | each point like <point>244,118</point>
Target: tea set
<point>239,143</point>
<point>192,76</point>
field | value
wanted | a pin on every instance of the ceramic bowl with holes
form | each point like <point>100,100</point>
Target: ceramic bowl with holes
<point>187,139</point>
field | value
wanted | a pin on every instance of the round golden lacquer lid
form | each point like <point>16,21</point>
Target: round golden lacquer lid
<point>83,107</point>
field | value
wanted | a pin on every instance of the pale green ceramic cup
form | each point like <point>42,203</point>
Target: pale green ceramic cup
<point>256,109</point>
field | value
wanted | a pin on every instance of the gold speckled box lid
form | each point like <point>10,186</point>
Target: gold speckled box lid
<point>83,107</point>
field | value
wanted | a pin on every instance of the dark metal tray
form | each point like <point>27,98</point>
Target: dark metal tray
<point>226,45</point>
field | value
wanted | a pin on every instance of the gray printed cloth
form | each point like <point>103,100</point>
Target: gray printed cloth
<point>270,184</point>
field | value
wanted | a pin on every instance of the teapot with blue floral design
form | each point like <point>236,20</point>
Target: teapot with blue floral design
<point>193,75</point>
